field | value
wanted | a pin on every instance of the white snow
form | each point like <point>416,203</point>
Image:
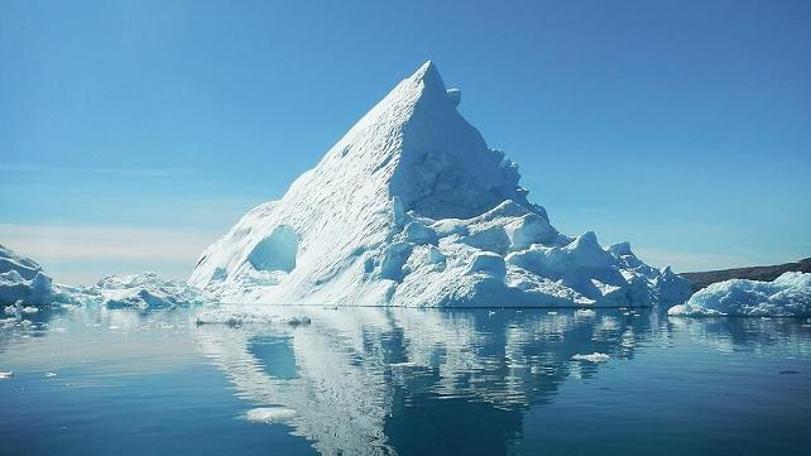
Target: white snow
<point>270,414</point>
<point>592,358</point>
<point>411,208</point>
<point>787,296</point>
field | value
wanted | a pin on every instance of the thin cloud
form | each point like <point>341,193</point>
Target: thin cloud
<point>56,243</point>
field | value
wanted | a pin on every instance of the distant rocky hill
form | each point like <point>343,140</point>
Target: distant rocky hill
<point>699,280</point>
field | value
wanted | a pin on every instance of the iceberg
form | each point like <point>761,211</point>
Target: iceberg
<point>789,295</point>
<point>24,286</point>
<point>25,289</point>
<point>412,208</point>
<point>143,291</point>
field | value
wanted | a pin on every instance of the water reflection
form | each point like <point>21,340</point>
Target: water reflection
<point>372,380</point>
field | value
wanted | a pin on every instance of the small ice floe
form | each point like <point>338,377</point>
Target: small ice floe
<point>585,313</point>
<point>551,312</point>
<point>29,310</point>
<point>490,313</point>
<point>50,374</point>
<point>270,414</point>
<point>592,358</point>
<point>6,375</point>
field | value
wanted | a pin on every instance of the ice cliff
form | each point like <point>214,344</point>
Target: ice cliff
<point>411,208</point>
<point>787,296</point>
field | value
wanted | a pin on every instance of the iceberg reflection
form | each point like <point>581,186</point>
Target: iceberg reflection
<point>385,380</point>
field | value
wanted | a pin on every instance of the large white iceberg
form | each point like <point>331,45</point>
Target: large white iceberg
<point>787,296</point>
<point>411,208</point>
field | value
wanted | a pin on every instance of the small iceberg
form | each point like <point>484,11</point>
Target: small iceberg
<point>6,375</point>
<point>787,296</point>
<point>144,291</point>
<point>591,358</point>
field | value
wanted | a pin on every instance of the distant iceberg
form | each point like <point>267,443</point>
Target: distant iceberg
<point>412,208</point>
<point>24,285</point>
<point>144,291</point>
<point>25,288</point>
<point>787,296</point>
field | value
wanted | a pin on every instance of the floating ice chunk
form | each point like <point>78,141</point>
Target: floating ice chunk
<point>591,358</point>
<point>787,296</point>
<point>50,374</point>
<point>270,415</point>
<point>6,375</point>
<point>585,313</point>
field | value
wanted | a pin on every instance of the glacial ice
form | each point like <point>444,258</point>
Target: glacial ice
<point>143,291</point>
<point>411,208</point>
<point>787,296</point>
<point>25,289</point>
<point>24,286</point>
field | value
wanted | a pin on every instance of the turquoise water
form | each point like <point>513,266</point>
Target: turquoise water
<point>400,381</point>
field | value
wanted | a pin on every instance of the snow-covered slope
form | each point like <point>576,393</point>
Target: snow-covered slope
<point>411,208</point>
<point>787,296</point>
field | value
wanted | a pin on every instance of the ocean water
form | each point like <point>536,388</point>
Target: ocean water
<point>405,381</point>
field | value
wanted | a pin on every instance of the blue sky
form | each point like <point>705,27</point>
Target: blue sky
<point>132,134</point>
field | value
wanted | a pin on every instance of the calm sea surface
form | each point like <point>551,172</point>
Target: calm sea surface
<point>405,381</point>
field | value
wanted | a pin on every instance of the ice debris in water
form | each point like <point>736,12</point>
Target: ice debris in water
<point>6,375</point>
<point>592,358</point>
<point>270,414</point>
<point>412,208</point>
<point>787,296</point>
